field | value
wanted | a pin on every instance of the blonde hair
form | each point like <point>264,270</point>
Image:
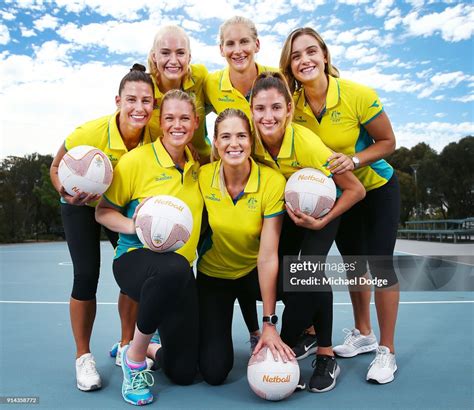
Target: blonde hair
<point>158,36</point>
<point>285,58</point>
<point>267,81</point>
<point>237,20</point>
<point>227,113</point>
<point>179,95</point>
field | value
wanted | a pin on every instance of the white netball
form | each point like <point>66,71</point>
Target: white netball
<point>164,223</point>
<point>270,379</point>
<point>311,192</point>
<point>85,169</point>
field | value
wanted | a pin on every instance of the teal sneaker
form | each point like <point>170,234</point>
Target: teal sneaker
<point>114,349</point>
<point>136,383</point>
<point>156,337</point>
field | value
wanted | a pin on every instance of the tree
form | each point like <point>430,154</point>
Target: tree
<point>456,177</point>
<point>407,200</point>
<point>22,212</point>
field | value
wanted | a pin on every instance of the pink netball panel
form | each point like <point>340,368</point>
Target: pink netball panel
<point>79,166</point>
<point>144,223</point>
<point>292,198</point>
<point>178,233</point>
<point>323,206</point>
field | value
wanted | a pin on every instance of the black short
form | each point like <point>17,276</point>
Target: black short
<point>83,240</point>
<point>369,228</point>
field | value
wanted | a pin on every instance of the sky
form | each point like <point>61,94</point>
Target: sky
<point>61,60</point>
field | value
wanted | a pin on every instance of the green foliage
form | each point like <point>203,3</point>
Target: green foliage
<point>444,185</point>
<point>27,208</point>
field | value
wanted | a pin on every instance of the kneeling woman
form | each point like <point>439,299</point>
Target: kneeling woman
<point>162,283</point>
<point>287,148</point>
<point>239,257</point>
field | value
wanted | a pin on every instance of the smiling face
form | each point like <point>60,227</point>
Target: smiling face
<point>135,103</point>
<point>307,59</point>
<point>270,113</point>
<point>239,47</point>
<point>171,56</point>
<point>178,122</point>
<point>233,141</point>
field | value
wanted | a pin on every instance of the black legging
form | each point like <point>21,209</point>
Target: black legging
<point>303,309</point>
<point>370,228</point>
<point>164,286</point>
<point>83,240</point>
<point>216,309</point>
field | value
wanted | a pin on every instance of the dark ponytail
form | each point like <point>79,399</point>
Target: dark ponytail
<point>137,74</point>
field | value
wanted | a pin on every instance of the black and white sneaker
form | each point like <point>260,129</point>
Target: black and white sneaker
<point>325,374</point>
<point>306,345</point>
<point>301,384</point>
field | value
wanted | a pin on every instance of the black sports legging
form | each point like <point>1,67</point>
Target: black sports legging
<point>369,228</point>
<point>164,286</point>
<point>83,240</point>
<point>303,309</point>
<point>216,309</point>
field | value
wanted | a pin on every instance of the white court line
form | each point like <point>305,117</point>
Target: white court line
<point>422,302</point>
<point>437,258</point>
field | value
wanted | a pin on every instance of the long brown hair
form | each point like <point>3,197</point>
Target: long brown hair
<point>285,58</point>
<point>267,81</point>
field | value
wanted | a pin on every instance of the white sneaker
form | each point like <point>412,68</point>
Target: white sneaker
<point>118,358</point>
<point>86,374</point>
<point>356,343</point>
<point>383,367</point>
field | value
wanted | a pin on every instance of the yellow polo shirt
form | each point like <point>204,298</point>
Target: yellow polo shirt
<point>103,133</point>
<point>301,148</point>
<point>193,85</point>
<point>231,247</point>
<point>149,171</point>
<point>221,94</point>
<point>349,106</point>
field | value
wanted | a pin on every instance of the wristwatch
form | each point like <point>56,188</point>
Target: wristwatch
<point>356,162</point>
<point>271,320</point>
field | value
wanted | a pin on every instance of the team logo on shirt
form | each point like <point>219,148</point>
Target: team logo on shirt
<point>252,203</point>
<point>226,99</point>
<point>112,158</point>
<point>295,164</point>
<point>299,118</point>
<point>194,176</point>
<point>163,177</point>
<point>335,117</point>
<point>213,197</point>
<point>375,104</point>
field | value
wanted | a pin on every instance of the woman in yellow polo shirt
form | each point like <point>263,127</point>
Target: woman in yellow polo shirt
<point>288,147</point>
<point>169,65</point>
<point>230,88</point>
<point>114,135</point>
<point>163,284</point>
<point>244,202</point>
<point>350,120</point>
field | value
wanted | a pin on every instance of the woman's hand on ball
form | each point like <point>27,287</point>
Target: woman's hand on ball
<point>80,199</point>
<point>305,221</point>
<point>272,340</point>
<point>340,163</point>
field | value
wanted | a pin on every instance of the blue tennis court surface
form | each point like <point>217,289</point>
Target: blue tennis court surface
<point>434,341</point>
